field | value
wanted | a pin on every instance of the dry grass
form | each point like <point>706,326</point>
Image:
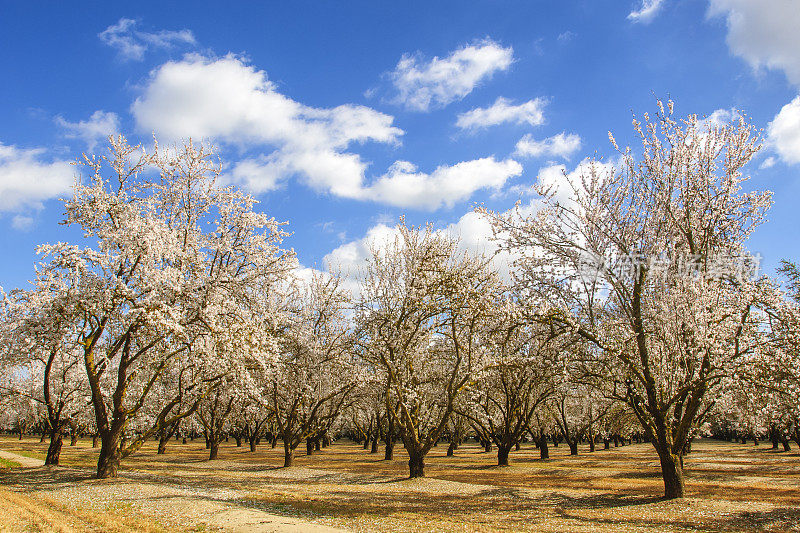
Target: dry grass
<point>731,487</point>
<point>21,512</point>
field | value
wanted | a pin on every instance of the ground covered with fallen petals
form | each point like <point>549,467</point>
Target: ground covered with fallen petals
<point>731,487</point>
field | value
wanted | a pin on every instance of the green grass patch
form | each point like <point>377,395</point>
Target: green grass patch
<point>5,463</point>
<point>32,455</point>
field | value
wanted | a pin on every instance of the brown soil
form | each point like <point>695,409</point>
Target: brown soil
<point>731,487</point>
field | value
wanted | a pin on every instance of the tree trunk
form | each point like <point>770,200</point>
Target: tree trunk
<point>450,449</point>
<point>43,435</point>
<point>317,446</point>
<point>253,444</point>
<point>213,446</point>
<point>544,451</point>
<point>388,454</point>
<point>162,443</point>
<point>110,454</point>
<point>54,450</point>
<point>672,472</point>
<point>416,465</point>
<point>573,447</point>
<point>374,448</point>
<point>238,440</point>
<point>606,444</point>
<point>487,447</point>
<point>309,446</point>
<point>502,455</point>
<point>73,439</point>
<point>591,444</point>
<point>288,455</point>
<point>95,440</point>
<point>785,443</point>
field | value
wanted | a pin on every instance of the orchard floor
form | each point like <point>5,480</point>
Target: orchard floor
<point>731,487</point>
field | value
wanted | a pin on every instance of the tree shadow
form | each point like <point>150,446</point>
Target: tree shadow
<point>44,477</point>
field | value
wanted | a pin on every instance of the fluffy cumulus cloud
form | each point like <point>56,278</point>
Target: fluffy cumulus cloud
<point>473,231</point>
<point>422,85</point>
<point>132,43</point>
<point>562,183</point>
<point>769,162</point>
<point>764,33</point>
<point>562,145</point>
<point>646,12</point>
<point>405,186</point>
<point>26,180</point>
<point>22,222</point>
<point>351,258</point>
<point>720,117</point>
<point>229,101</point>
<point>96,128</point>
<point>503,111</point>
<point>256,174</point>
<point>783,133</point>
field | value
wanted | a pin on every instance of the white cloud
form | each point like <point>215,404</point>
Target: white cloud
<point>21,222</point>
<point>566,36</point>
<point>646,12</point>
<point>560,145</point>
<point>720,117</point>
<point>26,181</point>
<point>132,43</point>
<point>562,184</point>
<point>473,230</point>
<point>351,258</point>
<point>765,33</point>
<point>783,133</point>
<point>769,162</point>
<point>99,126</point>
<point>405,186</point>
<point>229,101</point>
<point>530,112</point>
<point>257,175</point>
<point>422,85</point>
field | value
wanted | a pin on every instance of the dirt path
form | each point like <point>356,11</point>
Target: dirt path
<point>21,459</point>
<point>39,498</point>
<point>732,487</point>
<point>180,506</point>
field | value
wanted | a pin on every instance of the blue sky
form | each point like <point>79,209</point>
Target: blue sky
<point>342,116</point>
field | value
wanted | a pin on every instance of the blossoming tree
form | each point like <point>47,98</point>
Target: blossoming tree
<point>175,255</point>
<point>637,260</point>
